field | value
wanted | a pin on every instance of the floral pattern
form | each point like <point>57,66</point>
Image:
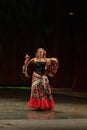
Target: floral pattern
<point>41,97</point>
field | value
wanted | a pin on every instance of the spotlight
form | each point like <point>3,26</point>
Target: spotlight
<point>71,13</point>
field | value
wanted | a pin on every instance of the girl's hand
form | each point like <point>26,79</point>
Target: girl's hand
<point>27,56</point>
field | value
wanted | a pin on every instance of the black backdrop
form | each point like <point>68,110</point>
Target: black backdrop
<point>60,27</point>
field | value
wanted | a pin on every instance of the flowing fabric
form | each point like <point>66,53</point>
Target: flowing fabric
<point>41,97</point>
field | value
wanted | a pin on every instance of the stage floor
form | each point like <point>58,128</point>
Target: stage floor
<point>13,107</point>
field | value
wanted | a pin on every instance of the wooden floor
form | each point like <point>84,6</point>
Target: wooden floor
<point>68,108</point>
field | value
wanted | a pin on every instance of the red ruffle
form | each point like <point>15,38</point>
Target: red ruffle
<point>43,104</point>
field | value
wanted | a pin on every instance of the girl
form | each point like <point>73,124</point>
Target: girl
<point>41,96</point>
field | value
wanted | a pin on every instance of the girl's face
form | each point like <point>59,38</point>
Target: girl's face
<point>40,53</point>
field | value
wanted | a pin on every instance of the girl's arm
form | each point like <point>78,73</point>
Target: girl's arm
<point>27,61</point>
<point>52,65</point>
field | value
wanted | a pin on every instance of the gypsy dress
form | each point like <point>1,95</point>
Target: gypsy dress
<point>41,96</point>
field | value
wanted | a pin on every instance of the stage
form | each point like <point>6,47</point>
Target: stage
<point>70,112</point>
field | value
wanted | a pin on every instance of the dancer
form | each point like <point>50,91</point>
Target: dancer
<point>41,96</point>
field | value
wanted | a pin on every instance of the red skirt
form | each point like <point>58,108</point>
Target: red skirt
<point>41,97</point>
<point>43,104</point>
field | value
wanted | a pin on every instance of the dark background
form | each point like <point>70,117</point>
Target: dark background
<point>59,26</point>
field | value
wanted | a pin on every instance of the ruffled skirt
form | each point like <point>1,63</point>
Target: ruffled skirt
<point>41,97</point>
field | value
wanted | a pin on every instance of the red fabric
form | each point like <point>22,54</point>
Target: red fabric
<point>43,104</point>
